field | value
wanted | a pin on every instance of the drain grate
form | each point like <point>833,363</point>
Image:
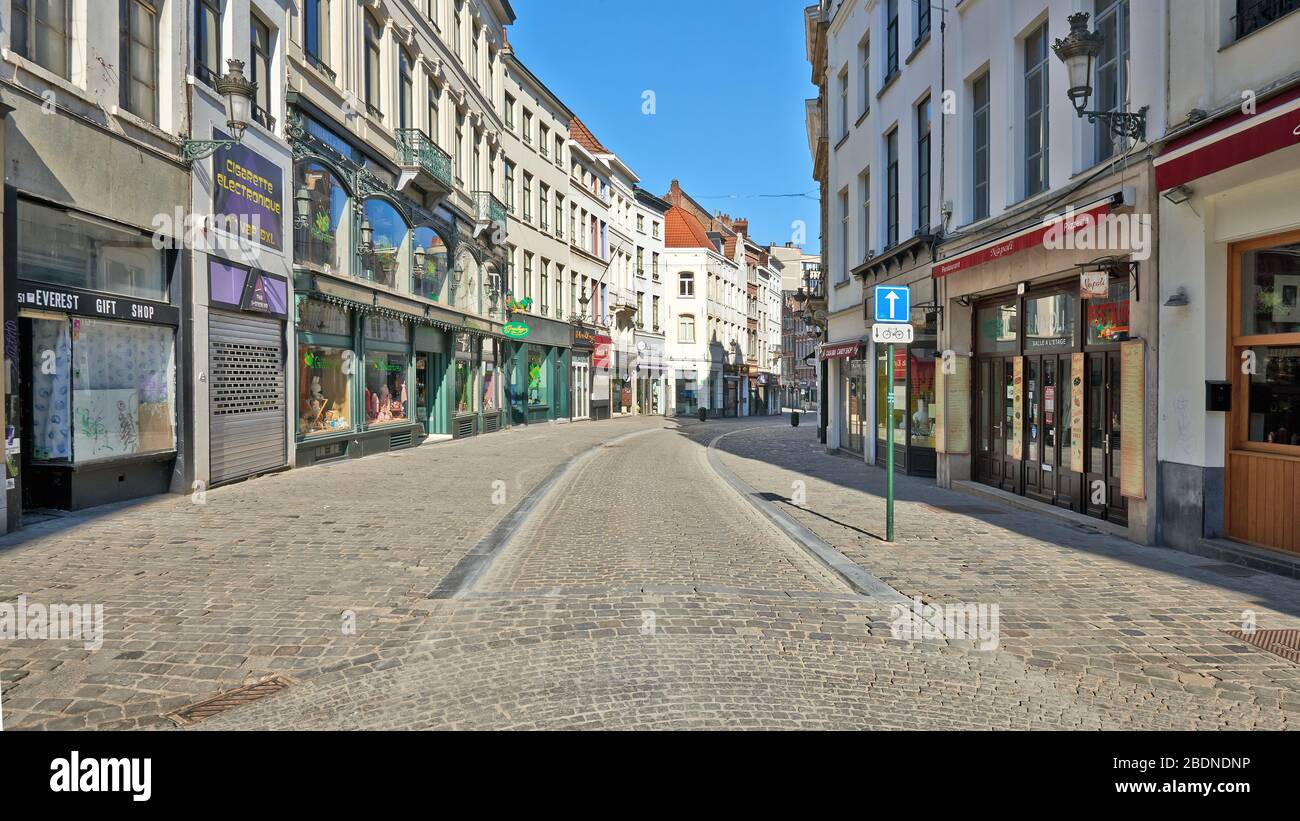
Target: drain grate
<point>229,700</point>
<point>1235,571</point>
<point>967,510</point>
<point>1284,643</point>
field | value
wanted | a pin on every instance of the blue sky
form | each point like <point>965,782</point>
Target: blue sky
<point>729,79</point>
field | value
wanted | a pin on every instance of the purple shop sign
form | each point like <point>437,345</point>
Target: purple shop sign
<point>234,286</point>
<point>250,189</point>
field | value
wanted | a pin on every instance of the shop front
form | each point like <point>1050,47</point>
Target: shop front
<point>651,376</point>
<point>1043,393</point>
<point>582,343</point>
<point>850,365</point>
<point>731,378</point>
<point>911,379</point>
<point>539,371</point>
<point>96,334</point>
<point>247,363</point>
<point>602,373</point>
<point>686,391</point>
<point>1230,335</point>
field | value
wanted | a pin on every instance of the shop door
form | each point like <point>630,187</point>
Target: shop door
<point>428,378</point>
<point>581,387</point>
<point>1040,483</point>
<point>247,425</point>
<point>1103,438</point>
<point>996,421</point>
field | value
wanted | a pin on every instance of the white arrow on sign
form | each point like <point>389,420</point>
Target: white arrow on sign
<point>892,296</point>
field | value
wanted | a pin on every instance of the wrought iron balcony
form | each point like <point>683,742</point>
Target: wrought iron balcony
<point>421,158</point>
<point>489,209</point>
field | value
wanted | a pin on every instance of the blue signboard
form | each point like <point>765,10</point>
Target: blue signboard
<point>249,189</point>
<point>893,303</point>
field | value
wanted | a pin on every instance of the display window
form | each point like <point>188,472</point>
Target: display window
<point>490,383</point>
<point>1049,321</point>
<point>432,264</point>
<point>385,248</point>
<point>996,328</point>
<point>537,376</point>
<point>1270,291</point>
<point>921,362</point>
<point>1108,319</point>
<point>386,388</point>
<point>101,389</point>
<point>465,387</point>
<point>325,389</point>
<point>80,251</point>
<point>323,242</point>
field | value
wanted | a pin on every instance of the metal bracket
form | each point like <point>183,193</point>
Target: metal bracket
<point>194,150</point>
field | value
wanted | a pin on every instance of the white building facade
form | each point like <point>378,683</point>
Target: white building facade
<point>1229,365</point>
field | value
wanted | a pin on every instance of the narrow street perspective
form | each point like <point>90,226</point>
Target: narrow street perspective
<point>494,368</point>
<point>685,607</point>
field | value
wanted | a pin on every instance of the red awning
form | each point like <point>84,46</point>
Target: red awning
<point>1020,240</point>
<point>1230,141</point>
<point>841,350</point>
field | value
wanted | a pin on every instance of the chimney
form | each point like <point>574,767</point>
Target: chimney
<point>742,227</point>
<point>674,196</point>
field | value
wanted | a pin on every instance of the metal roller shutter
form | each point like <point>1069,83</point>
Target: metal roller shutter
<point>247,427</point>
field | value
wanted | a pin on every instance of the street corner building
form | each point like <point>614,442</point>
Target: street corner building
<point>1099,290</point>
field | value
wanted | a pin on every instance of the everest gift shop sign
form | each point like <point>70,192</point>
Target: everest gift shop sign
<point>249,189</point>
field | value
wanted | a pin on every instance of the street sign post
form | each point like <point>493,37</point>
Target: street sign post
<point>893,326</point>
<point>893,303</point>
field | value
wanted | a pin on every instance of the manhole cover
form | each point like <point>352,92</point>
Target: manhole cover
<point>1284,643</point>
<point>1234,570</point>
<point>230,699</point>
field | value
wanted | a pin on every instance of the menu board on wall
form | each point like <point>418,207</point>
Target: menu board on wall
<point>952,434</point>
<point>1132,381</point>
<point>1076,412</point>
<point>1018,408</point>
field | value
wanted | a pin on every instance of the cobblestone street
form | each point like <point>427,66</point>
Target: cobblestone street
<point>681,606</point>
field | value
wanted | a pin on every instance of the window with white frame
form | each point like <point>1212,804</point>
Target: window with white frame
<point>842,270</point>
<point>686,329</point>
<point>1035,122</point>
<point>207,40</point>
<point>1111,82</point>
<point>140,57</point>
<point>980,147</point>
<point>686,284</point>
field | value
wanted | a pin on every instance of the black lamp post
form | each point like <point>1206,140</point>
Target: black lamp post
<point>237,91</point>
<point>1078,50</point>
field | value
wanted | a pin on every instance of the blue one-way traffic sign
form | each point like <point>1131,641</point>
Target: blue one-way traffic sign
<point>893,303</point>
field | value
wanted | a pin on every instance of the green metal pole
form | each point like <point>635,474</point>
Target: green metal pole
<point>889,445</point>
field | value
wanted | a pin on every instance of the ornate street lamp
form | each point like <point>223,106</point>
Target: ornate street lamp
<point>367,237</point>
<point>301,207</point>
<point>1078,50</point>
<point>419,258</point>
<point>238,92</point>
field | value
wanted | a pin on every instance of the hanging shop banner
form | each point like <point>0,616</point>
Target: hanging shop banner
<point>1018,408</point>
<point>1094,285</point>
<point>1132,380</point>
<point>249,189</point>
<point>44,297</point>
<point>1077,364</point>
<point>952,433</point>
<point>842,350</point>
<point>601,357</point>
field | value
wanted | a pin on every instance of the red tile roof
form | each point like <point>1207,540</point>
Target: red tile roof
<point>683,230</point>
<point>582,135</point>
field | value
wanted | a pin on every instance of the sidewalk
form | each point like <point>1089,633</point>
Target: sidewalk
<point>1142,622</point>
